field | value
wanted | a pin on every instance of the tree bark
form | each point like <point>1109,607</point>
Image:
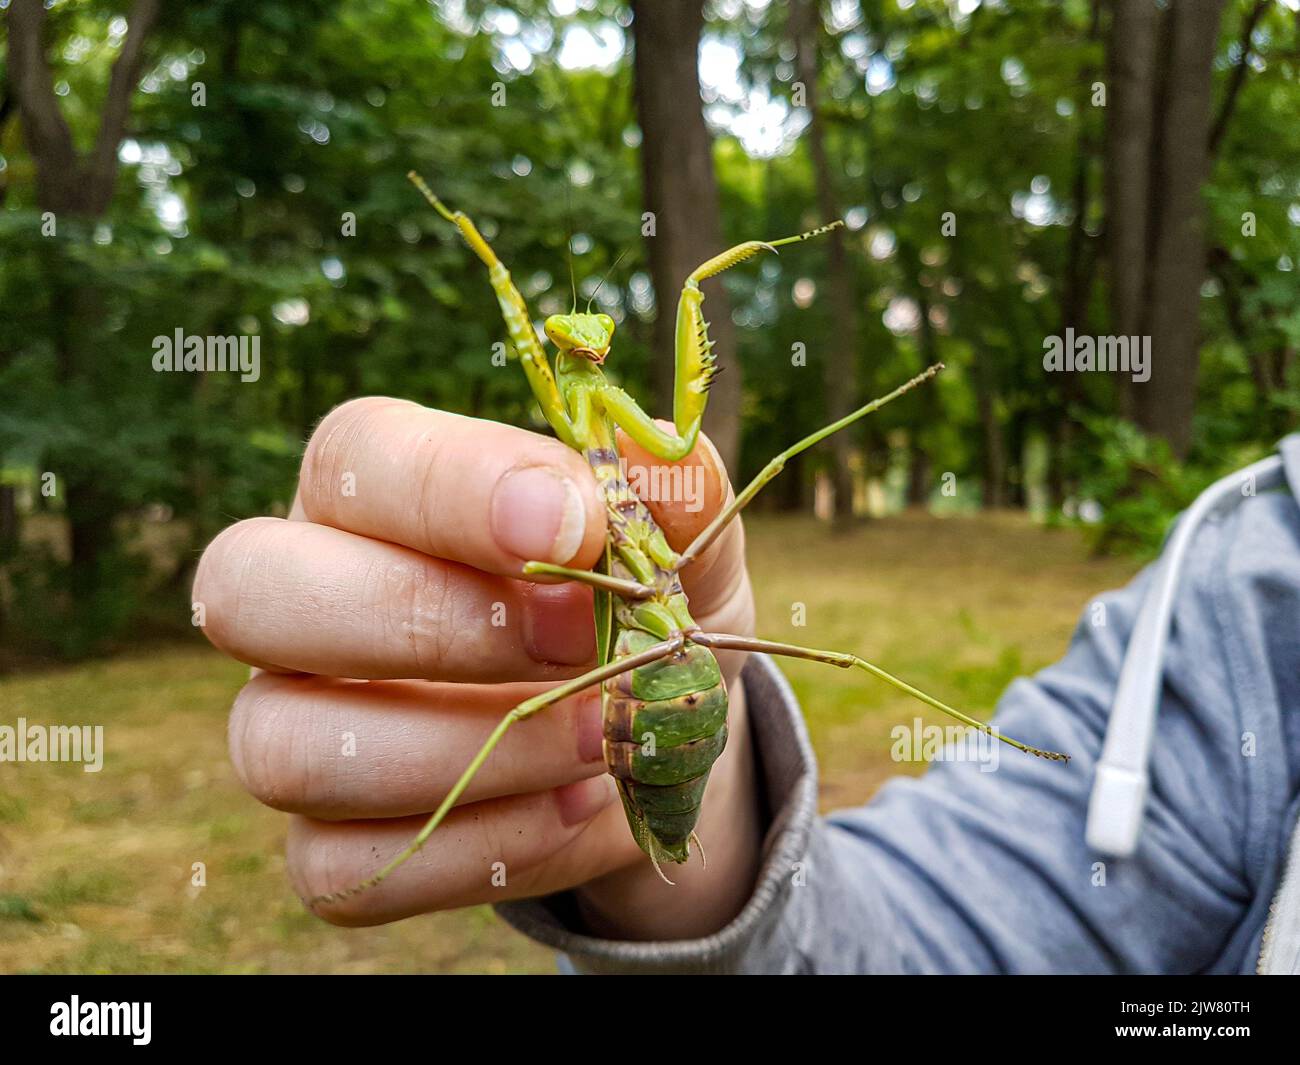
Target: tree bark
<point>1164,405</point>
<point>920,468</point>
<point>1158,137</point>
<point>1132,61</point>
<point>840,378</point>
<point>10,529</point>
<point>1077,281</point>
<point>680,190</point>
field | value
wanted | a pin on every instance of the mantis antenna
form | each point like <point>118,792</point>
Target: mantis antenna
<point>568,244</point>
<point>612,268</point>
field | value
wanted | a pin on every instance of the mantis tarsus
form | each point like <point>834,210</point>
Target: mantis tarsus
<point>664,698</point>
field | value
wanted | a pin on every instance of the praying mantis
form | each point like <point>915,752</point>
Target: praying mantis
<point>664,698</point>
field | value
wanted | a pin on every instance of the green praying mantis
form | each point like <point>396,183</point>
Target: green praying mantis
<point>664,699</point>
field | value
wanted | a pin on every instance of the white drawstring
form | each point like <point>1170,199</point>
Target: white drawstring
<point>1119,790</point>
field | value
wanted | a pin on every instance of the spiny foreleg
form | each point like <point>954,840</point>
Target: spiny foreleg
<point>695,366</point>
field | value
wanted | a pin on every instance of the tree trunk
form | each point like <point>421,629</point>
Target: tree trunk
<point>920,469</point>
<point>681,193</point>
<point>1164,404</point>
<point>1132,60</point>
<point>994,450</point>
<point>10,529</point>
<point>1160,127</point>
<point>920,475</point>
<point>1076,286</point>
<point>790,490</point>
<point>840,378</point>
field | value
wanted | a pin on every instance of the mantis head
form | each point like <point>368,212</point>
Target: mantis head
<point>585,335</point>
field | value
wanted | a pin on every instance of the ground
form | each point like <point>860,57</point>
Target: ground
<point>95,869</point>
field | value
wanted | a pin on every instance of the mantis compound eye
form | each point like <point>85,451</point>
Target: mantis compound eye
<point>606,322</point>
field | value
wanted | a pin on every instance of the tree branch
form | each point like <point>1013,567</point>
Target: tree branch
<point>117,107</point>
<point>1238,77</point>
<point>47,134</point>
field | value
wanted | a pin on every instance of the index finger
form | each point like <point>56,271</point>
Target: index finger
<point>463,489</point>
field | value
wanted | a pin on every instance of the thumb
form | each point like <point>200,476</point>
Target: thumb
<point>683,497</point>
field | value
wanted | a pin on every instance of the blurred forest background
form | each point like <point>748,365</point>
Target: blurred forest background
<point>1006,170</point>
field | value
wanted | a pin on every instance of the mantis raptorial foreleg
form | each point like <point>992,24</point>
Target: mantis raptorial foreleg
<point>519,325</point>
<point>524,710</point>
<point>776,465</point>
<point>695,363</point>
<point>728,642</point>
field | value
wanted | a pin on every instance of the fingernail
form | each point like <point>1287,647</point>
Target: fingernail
<point>538,515</point>
<point>720,468</point>
<point>591,729</point>
<point>557,624</point>
<point>584,799</point>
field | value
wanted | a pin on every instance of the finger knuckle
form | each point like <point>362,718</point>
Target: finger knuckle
<point>420,611</point>
<point>432,449</point>
<point>333,448</point>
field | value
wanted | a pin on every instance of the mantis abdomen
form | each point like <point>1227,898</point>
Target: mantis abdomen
<point>665,726</point>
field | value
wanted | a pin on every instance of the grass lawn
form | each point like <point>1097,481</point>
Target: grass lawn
<point>95,869</point>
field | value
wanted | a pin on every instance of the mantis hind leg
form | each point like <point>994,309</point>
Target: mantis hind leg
<point>518,713</point>
<point>726,641</point>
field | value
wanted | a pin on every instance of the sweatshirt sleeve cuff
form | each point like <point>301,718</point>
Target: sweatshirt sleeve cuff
<point>787,772</point>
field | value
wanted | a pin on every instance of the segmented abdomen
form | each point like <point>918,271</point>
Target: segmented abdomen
<point>665,725</point>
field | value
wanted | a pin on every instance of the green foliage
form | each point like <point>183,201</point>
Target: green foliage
<point>278,209</point>
<point>1137,488</point>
